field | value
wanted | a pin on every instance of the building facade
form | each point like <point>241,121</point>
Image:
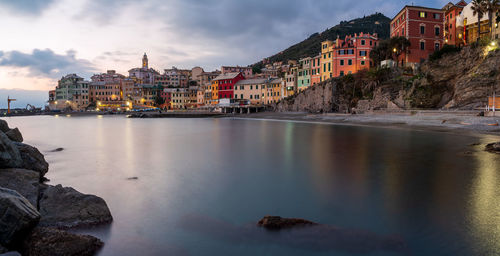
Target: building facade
<point>72,91</point>
<point>453,28</point>
<point>315,70</point>
<point>225,84</point>
<point>423,27</point>
<point>304,74</point>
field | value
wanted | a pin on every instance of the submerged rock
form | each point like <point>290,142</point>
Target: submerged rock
<point>65,207</point>
<point>32,159</point>
<point>493,147</point>
<point>57,150</point>
<point>9,153</point>
<point>14,135</point>
<point>277,222</point>
<point>25,182</point>
<point>54,242</point>
<point>17,216</point>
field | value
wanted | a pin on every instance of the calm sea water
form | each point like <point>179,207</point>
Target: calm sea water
<point>203,183</point>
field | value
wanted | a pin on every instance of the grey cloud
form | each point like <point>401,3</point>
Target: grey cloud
<point>27,6</point>
<point>46,63</point>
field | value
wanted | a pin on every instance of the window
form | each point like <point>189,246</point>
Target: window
<point>371,42</point>
<point>422,45</point>
<point>341,62</point>
<point>403,33</point>
<point>436,30</point>
<point>436,46</point>
<point>349,62</point>
<point>422,29</point>
<point>362,53</point>
<point>362,63</point>
<point>324,67</point>
<point>329,55</point>
<point>341,73</point>
<point>362,42</point>
<point>436,16</point>
<point>329,66</point>
<point>422,14</point>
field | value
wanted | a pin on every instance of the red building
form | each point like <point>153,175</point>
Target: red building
<point>315,70</point>
<point>225,84</point>
<point>453,34</point>
<point>423,27</point>
<point>166,95</point>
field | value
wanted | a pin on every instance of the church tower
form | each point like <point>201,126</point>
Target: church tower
<point>145,61</point>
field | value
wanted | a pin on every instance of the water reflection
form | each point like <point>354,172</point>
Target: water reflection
<point>382,181</point>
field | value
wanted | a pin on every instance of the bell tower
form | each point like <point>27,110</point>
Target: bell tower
<point>145,61</point>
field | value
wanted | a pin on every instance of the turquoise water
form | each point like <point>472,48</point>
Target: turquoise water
<point>204,183</point>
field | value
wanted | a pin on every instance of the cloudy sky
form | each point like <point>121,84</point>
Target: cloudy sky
<point>41,40</point>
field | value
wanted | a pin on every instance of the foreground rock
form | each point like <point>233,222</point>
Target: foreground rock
<point>4,127</point>
<point>14,135</point>
<point>32,159</point>
<point>9,154</point>
<point>25,182</point>
<point>17,216</point>
<point>65,207</point>
<point>277,222</point>
<point>493,147</point>
<point>53,242</point>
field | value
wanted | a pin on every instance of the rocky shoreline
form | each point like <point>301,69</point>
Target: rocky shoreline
<point>34,216</point>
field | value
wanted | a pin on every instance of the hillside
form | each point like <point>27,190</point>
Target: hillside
<point>459,80</point>
<point>375,23</point>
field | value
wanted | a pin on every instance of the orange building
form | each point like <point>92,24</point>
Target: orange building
<point>423,27</point>
<point>453,29</point>
<point>315,70</point>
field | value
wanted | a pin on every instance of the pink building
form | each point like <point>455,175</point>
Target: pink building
<point>245,71</point>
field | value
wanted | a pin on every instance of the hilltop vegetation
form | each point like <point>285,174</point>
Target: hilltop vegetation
<point>375,23</point>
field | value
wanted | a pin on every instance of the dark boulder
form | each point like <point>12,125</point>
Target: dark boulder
<point>64,207</point>
<point>32,159</point>
<point>17,216</point>
<point>277,222</point>
<point>25,182</point>
<point>15,135</point>
<point>9,153</point>
<point>493,147</point>
<point>54,242</point>
<point>4,127</point>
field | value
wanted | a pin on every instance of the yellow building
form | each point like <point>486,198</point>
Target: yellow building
<point>326,62</point>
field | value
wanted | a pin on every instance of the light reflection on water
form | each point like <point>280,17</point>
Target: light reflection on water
<point>418,185</point>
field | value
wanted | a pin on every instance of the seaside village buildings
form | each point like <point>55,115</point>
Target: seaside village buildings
<point>427,29</point>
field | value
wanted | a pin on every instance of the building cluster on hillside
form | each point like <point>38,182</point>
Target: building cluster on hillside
<point>427,30</point>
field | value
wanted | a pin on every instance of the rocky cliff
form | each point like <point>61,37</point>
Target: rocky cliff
<point>34,216</point>
<point>460,80</point>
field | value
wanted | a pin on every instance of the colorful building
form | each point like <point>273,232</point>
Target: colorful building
<point>346,56</point>
<point>316,70</point>
<point>423,27</point>
<point>72,91</point>
<point>453,29</point>
<point>304,74</point>
<point>468,21</point>
<point>144,74</point>
<point>225,84</point>
<point>291,78</point>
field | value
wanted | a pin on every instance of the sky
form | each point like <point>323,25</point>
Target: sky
<point>43,40</point>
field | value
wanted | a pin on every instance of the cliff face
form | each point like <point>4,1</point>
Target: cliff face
<point>461,80</point>
<point>317,99</point>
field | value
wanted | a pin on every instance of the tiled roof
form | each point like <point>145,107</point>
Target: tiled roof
<point>227,76</point>
<point>252,81</point>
